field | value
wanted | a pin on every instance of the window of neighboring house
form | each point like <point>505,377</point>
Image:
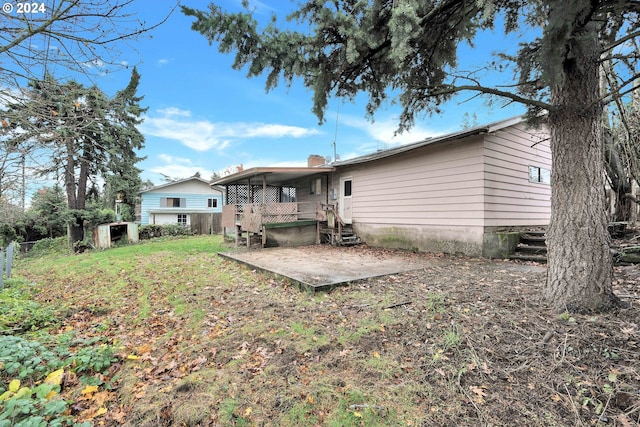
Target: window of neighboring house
<point>316,186</point>
<point>182,219</point>
<point>173,202</point>
<point>212,203</point>
<point>539,175</point>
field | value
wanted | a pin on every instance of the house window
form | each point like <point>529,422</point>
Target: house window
<point>539,175</point>
<point>212,203</point>
<point>182,219</point>
<point>347,188</point>
<point>173,202</point>
<point>316,186</point>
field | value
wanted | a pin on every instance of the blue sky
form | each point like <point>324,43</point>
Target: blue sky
<point>204,116</point>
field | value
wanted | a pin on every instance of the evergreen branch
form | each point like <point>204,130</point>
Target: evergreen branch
<point>620,41</point>
<point>450,90</point>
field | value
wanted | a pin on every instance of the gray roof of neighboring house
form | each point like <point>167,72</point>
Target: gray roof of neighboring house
<point>179,181</point>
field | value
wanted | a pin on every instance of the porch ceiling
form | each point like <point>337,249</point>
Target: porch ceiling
<point>273,176</point>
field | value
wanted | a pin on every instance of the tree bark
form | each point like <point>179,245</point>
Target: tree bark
<point>69,176</point>
<point>580,265</point>
<point>620,183</point>
<point>83,177</point>
<point>75,229</point>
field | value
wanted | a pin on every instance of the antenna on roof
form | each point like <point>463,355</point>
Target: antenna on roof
<point>335,135</point>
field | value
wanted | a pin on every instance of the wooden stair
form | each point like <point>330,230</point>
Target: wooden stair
<point>532,247</point>
<point>349,237</point>
<point>345,236</point>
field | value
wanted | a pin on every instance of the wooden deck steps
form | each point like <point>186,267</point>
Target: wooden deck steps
<point>333,236</point>
<point>532,247</point>
<point>349,237</point>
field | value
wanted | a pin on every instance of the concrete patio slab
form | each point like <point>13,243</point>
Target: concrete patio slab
<point>322,267</point>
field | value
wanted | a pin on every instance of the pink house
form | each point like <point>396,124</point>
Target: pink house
<point>465,192</point>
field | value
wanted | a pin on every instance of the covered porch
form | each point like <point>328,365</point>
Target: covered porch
<point>278,206</point>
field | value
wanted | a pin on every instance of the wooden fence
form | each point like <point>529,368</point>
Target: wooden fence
<point>5,267</point>
<point>206,223</point>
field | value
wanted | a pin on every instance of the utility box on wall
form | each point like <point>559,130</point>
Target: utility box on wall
<point>107,235</point>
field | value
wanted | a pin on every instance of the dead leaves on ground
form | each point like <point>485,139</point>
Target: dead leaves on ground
<point>499,369</point>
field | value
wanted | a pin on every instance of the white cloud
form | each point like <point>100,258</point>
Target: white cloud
<point>163,61</point>
<point>178,167</point>
<point>203,135</point>
<point>98,63</point>
<point>168,158</point>
<point>382,130</point>
<point>256,163</point>
<point>173,111</point>
<point>251,130</point>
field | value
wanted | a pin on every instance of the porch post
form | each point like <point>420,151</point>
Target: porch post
<point>264,189</point>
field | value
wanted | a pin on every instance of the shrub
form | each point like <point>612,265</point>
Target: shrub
<point>149,231</point>
<point>176,230</point>
<point>153,230</point>
<point>18,310</point>
<point>44,247</point>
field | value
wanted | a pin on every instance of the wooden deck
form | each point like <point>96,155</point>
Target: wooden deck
<point>258,218</point>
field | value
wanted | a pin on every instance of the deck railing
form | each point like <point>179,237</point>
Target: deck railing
<point>251,216</point>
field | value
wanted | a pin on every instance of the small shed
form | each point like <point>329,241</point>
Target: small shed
<point>107,235</point>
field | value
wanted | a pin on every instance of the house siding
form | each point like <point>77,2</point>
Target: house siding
<point>307,202</point>
<point>430,199</point>
<point>194,193</point>
<point>445,197</point>
<point>510,199</point>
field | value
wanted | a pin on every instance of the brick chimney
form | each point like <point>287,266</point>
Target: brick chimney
<point>315,160</point>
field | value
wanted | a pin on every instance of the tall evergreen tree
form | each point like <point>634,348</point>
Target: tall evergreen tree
<point>124,180</point>
<point>411,47</point>
<point>86,134</point>
<point>48,214</point>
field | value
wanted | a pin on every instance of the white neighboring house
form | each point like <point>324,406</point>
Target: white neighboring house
<point>178,202</point>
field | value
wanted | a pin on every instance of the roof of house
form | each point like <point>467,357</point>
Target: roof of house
<point>275,175</point>
<point>272,175</point>
<point>488,128</point>
<point>179,181</point>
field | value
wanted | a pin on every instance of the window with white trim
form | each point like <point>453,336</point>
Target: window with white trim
<point>212,203</point>
<point>182,219</point>
<point>539,175</point>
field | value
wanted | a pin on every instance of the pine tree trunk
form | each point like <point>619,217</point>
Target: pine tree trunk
<point>76,230</point>
<point>69,176</point>
<point>580,267</point>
